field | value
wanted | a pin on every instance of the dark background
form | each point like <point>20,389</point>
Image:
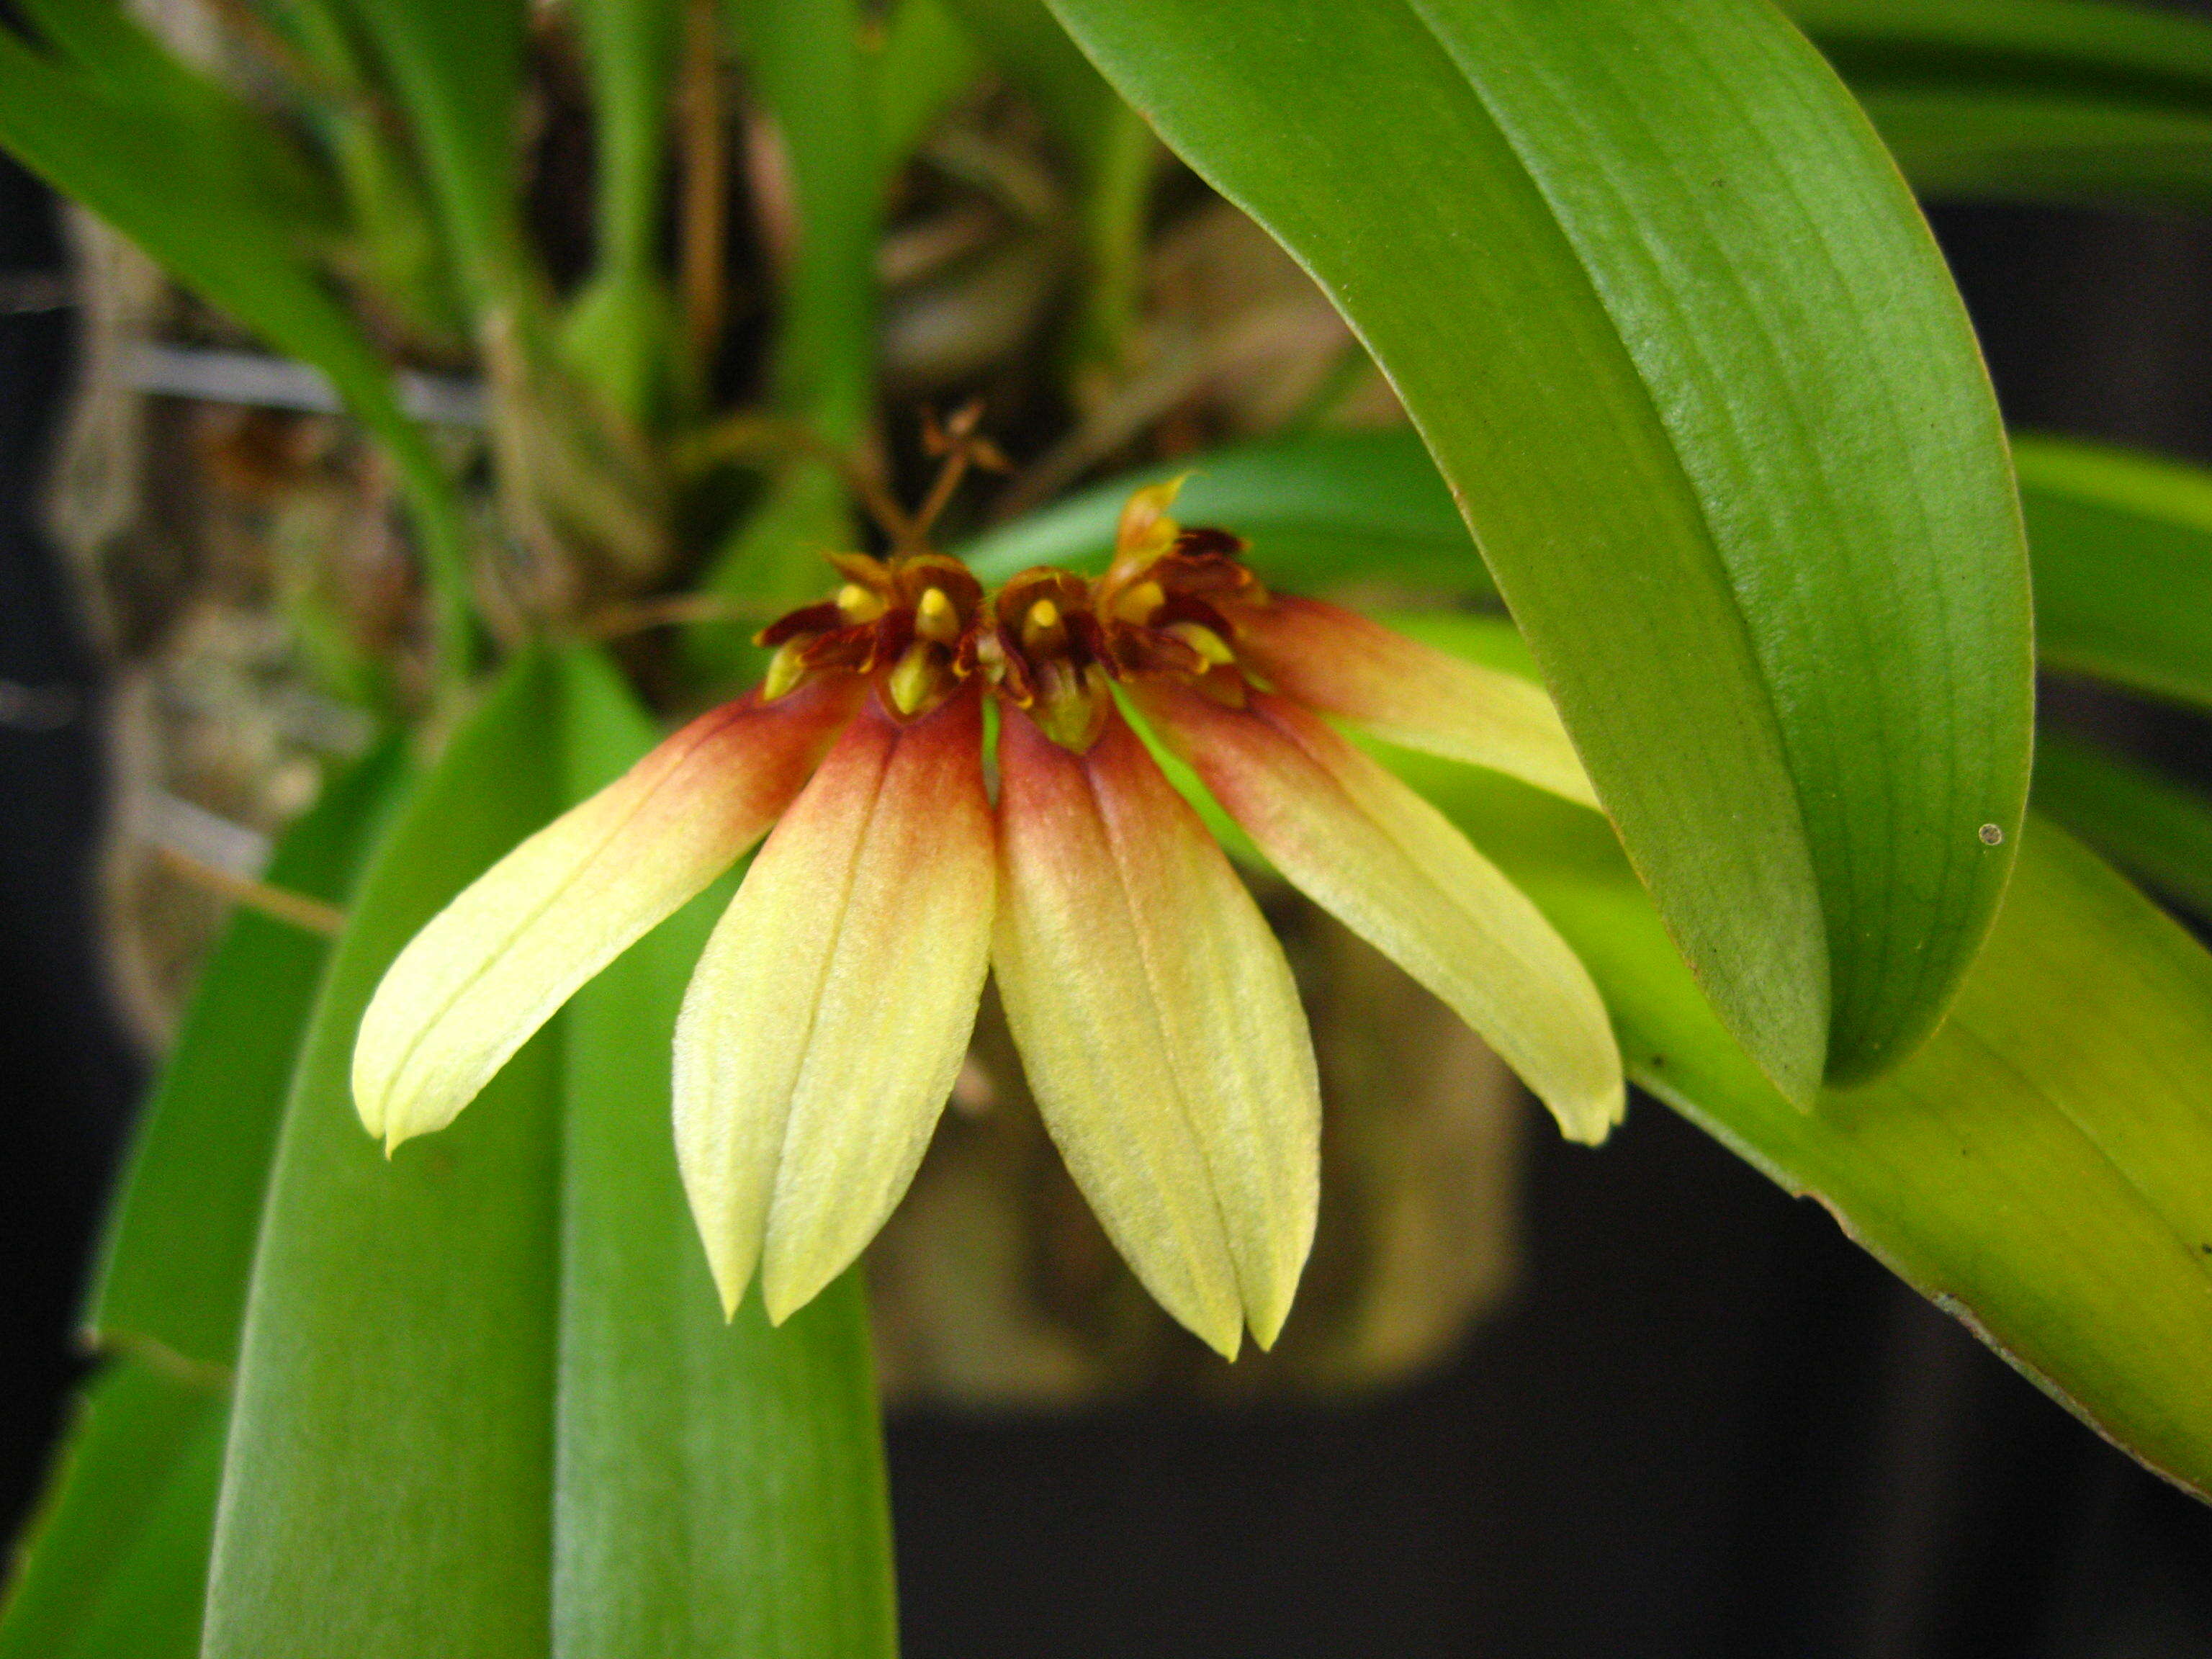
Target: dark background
<point>1708,1426</point>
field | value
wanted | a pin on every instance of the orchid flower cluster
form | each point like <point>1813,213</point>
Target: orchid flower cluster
<point>1155,1013</point>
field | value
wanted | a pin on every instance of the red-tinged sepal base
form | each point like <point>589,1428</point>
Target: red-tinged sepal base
<point>1343,664</point>
<point>831,1010</point>
<point>494,965</point>
<point>1159,1027</point>
<point>1374,853</point>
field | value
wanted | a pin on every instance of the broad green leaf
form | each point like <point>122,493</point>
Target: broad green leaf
<point>180,1237</point>
<point>719,1487</point>
<point>2145,824</point>
<point>2123,550</point>
<point>388,1484</point>
<point>2042,1168</point>
<point>1682,346</point>
<point>115,1562</point>
<point>1319,510</point>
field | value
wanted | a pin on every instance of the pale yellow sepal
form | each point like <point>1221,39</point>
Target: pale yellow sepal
<point>829,1016</point>
<point>1368,850</point>
<point>1408,693</point>
<point>1160,1030</point>
<point>495,963</point>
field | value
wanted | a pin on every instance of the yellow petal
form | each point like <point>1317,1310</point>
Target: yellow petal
<point>1368,849</point>
<point>493,966</point>
<point>1160,1028</point>
<point>1405,692</point>
<point>831,1010</point>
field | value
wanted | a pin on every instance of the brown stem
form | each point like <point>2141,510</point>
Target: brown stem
<point>705,186</point>
<point>297,909</point>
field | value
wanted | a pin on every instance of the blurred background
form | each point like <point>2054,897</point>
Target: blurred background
<point>1698,1422</point>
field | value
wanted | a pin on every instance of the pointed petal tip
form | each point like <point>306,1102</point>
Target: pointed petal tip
<point>1590,1120</point>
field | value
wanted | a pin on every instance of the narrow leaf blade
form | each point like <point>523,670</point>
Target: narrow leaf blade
<point>2123,565</point>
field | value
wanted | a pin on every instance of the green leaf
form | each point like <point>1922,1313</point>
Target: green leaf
<point>115,1562</point>
<point>1975,145</point>
<point>720,1486</point>
<point>457,69</point>
<point>388,1481</point>
<point>2144,822</point>
<point>814,82</point>
<point>1319,510</point>
<point>2122,550</point>
<point>180,1237</point>
<point>2042,1168</point>
<point>2086,47</point>
<point>923,63</point>
<point>2065,100</point>
<point>630,48</point>
<point>486,1402</point>
<point>1688,358</point>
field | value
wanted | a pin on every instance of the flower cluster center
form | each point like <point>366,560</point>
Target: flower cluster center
<point>1049,641</point>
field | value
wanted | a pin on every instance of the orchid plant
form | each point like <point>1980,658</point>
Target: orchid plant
<point>1650,676</point>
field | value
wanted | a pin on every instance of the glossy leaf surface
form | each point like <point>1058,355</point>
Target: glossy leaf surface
<point>1707,410</point>
<point>2041,1167</point>
<point>389,1477</point>
<point>2123,550</point>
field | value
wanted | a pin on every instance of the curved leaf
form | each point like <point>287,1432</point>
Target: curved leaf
<point>2144,822</point>
<point>1688,358</point>
<point>2123,552</point>
<point>2042,1168</point>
